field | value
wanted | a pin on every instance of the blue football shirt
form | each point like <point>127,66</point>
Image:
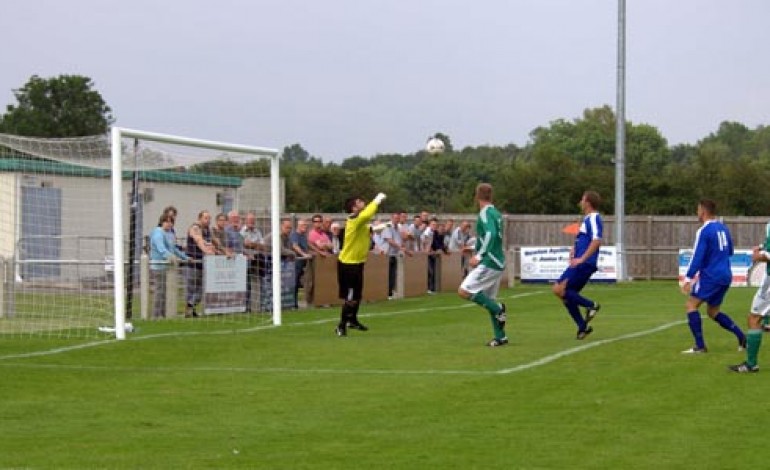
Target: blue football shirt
<point>590,229</point>
<point>711,254</point>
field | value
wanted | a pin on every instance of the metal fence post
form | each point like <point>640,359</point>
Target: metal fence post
<point>2,287</point>
<point>7,279</point>
<point>172,290</point>
<point>511,266</point>
<point>399,293</point>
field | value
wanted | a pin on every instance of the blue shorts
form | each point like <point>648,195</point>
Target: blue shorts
<point>709,292</point>
<point>578,276</point>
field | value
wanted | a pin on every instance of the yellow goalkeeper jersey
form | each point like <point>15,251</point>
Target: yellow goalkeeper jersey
<point>355,248</point>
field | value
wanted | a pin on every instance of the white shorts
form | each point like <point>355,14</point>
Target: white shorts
<point>482,279</point>
<point>761,303</point>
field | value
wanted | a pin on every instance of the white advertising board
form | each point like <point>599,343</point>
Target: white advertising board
<point>224,284</point>
<point>740,263</point>
<point>547,263</point>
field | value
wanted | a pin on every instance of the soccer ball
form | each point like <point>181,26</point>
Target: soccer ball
<point>434,146</point>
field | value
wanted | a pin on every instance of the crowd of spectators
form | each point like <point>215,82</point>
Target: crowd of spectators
<point>233,234</point>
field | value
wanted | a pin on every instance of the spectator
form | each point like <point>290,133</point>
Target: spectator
<point>416,230</point>
<point>320,244</point>
<point>449,226</point>
<point>233,238</point>
<point>171,210</point>
<point>394,246</point>
<point>436,249</point>
<point>219,237</point>
<point>426,239</point>
<point>326,226</point>
<point>162,253</point>
<point>300,245</point>
<point>460,236</point>
<point>252,246</point>
<point>285,234</point>
<point>337,235</point>
<point>403,227</point>
<point>378,244</point>
<point>252,236</point>
<point>459,242</point>
<point>198,245</point>
<point>318,241</point>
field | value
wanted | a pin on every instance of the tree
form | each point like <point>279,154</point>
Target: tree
<point>63,106</point>
<point>587,141</point>
<point>734,135</point>
<point>295,154</point>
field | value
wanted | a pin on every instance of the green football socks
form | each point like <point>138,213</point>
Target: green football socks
<point>493,308</point>
<point>491,305</point>
<point>753,342</point>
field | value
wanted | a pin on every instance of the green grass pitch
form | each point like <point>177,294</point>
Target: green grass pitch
<point>419,390</point>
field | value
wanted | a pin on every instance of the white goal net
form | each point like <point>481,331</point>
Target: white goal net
<point>77,219</point>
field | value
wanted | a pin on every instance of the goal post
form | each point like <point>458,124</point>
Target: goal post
<point>118,159</point>
<point>80,213</point>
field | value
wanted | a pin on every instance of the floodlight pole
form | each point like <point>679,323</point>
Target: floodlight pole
<point>620,145</point>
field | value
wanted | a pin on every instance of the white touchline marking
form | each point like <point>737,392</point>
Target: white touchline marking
<point>51,352</point>
<point>583,347</point>
<point>65,349</point>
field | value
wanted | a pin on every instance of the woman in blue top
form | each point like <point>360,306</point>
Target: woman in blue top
<point>163,252</point>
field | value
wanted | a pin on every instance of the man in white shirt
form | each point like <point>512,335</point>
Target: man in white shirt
<point>393,245</point>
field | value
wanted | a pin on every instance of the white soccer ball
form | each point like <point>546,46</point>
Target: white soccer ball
<point>434,146</point>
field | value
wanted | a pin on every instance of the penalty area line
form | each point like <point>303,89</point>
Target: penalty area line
<point>586,346</point>
<point>326,371</point>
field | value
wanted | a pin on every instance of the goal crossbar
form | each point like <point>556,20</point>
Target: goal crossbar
<point>117,134</point>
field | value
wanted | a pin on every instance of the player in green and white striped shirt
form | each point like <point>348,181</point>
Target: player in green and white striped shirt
<point>759,311</point>
<point>766,318</point>
<point>483,282</point>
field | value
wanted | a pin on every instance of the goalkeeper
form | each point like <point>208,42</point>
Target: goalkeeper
<point>350,263</point>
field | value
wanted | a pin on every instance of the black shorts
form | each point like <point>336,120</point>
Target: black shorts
<point>350,278</point>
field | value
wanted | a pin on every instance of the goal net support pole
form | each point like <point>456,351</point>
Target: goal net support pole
<point>118,133</point>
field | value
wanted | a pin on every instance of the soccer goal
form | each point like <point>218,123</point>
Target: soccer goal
<point>78,212</point>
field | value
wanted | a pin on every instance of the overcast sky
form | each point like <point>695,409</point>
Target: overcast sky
<point>364,77</point>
